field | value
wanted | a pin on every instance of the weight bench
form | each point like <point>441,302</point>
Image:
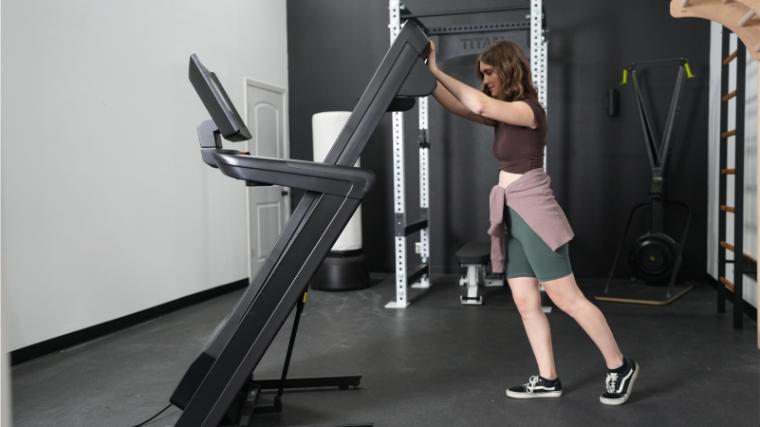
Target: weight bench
<point>475,256</point>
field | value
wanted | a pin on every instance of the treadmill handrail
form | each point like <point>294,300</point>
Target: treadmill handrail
<point>344,181</point>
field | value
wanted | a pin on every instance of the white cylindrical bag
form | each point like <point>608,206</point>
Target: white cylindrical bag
<point>344,267</point>
<point>325,129</point>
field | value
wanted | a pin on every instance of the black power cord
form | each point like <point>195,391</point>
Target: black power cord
<point>153,417</point>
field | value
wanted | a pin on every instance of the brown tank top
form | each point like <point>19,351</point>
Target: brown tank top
<point>520,149</point>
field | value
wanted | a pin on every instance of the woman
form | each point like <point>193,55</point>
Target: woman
<point>537,230</point>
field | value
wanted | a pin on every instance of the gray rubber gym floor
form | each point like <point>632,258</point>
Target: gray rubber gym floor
<point>437,363</point>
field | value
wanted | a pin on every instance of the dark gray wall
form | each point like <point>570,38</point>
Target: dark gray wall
<point>598,163</point>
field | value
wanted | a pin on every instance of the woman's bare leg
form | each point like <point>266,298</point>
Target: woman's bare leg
<point>566,295</point>
<point>527,297</point>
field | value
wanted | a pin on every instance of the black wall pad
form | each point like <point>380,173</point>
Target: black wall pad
<point>335,190</point>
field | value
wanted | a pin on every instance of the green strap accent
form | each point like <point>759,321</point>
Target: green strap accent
<point>624,80</point>
<point>689,73</point>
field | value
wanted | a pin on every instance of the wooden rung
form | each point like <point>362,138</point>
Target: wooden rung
<point>729,171</point>
<point>747,16</point>
<point>730,57</point>
<point>727,283</point>
<point>732,248</point>
<point>725,208</point>
<point>728,133</point>
<point>730,95</point>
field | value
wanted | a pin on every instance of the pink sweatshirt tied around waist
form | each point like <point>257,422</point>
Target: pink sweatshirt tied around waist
<point>532,198</point>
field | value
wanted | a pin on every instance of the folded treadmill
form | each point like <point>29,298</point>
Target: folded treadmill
<point>333,191</point>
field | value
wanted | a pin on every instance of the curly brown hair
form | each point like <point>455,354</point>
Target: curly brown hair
<point>513,70</point>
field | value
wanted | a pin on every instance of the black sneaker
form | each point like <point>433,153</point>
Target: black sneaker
<point>620,384</point>
<point>536,387</point>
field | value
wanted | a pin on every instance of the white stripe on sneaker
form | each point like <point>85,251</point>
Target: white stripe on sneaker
<point>540,387</point>
<point>621,400</point>
<point>623,381</point>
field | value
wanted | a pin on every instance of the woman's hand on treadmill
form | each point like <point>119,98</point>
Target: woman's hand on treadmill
<point>431,59</point>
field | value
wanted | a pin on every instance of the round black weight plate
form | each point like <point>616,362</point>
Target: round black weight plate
<point>652,257</point>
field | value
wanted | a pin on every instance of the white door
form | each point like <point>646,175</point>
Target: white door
<point>268,206</point>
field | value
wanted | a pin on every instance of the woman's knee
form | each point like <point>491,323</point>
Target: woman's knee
<point>565,294</point>
<point>527,305</point>
<point>525,295</point>
<point>570,305</point>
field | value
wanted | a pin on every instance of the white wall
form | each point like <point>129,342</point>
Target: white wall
<point>107,208</point>
<point>5,393</point>
<point>750,159</point>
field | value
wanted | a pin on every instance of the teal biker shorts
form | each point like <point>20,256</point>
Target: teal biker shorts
<point>527,255</point>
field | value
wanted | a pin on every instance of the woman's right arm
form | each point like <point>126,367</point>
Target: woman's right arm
<point>453,105</point>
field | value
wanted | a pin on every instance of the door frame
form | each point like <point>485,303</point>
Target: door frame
<point>250,82</point>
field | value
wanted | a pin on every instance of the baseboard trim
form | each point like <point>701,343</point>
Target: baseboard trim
<point>71,339</point>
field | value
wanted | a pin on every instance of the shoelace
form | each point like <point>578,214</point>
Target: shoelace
<point>532,382</point>
<point>611,381</point>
